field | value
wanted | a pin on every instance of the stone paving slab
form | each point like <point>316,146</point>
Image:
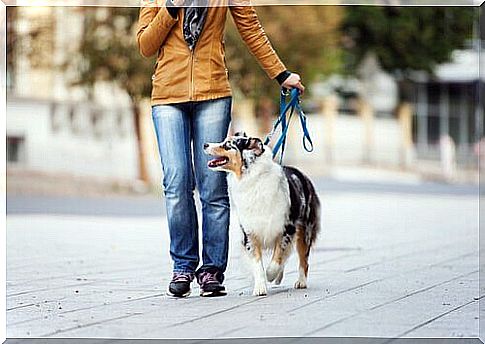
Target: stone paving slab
<point>386,265</point>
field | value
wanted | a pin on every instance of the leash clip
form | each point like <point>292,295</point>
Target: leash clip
<point>285,91</point>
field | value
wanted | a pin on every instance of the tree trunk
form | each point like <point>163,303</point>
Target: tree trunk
<point>266,115</point>
<point>11,41</point>
<point>142,163</point>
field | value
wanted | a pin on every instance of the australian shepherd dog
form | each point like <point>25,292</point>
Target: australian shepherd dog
<point>277,207</point>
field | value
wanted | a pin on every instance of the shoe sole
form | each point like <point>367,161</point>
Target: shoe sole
<point>177,296</point>
<point>213,293</point>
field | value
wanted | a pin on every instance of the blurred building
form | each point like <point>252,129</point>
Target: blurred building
<point>379,88</point>
<point>441,128</point>
<point>53,126</point>
<point>446,106</point>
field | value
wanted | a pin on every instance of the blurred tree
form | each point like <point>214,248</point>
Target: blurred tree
<point>108,52</point>
<point>11,44</point>
<point>305,37</point>
<point>29,38</point>
<point>405,39</point>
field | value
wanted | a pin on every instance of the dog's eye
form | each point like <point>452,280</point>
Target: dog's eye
<point>227,146</point>
<point>241,143</point>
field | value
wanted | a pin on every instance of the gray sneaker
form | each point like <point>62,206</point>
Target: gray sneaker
<point>180,284</point>
<point>210,282</point>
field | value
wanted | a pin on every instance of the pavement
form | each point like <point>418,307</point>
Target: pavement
<point>392,261</point>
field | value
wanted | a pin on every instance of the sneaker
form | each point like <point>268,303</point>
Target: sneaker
<point>210,282</point>
<point>180,284</point>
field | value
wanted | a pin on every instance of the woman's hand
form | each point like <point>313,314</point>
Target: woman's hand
<point>293,81</point>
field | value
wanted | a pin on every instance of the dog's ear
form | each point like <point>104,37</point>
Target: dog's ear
<point>256,145</point>
<point>241,143</point>
<point>241,133</point>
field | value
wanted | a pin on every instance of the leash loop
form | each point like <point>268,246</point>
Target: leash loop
<point>286,112</point>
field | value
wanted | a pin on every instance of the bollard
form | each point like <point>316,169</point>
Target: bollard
<point>405,118</point>
<point>148,144</point>
<point>366,113</point>
<point>448,157</point>
<point>329,112</point>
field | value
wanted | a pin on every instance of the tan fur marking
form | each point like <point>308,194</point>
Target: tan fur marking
<point>235,162</point>
<point>278,252</point>
<point>258,249</point>
<point>302,248</point>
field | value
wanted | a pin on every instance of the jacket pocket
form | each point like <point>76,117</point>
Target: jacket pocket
<point>157,72</point>
<point>154,71</point>
<point>219,73</point>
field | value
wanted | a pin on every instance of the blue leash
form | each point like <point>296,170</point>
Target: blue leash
<point>284,120</point>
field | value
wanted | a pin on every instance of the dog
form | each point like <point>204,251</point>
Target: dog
<point>277,207</point>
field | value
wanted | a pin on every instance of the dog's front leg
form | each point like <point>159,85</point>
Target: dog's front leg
<point>258,270</point>
<point>252,246</point>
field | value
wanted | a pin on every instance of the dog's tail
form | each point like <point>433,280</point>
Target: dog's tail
<point>313,224</point>
<point>305,205</point>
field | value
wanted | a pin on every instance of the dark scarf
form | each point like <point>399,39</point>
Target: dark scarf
<point>194,19</point>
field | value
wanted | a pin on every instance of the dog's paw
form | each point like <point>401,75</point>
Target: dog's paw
<point>300,284</point>
<point>260,289</point>
<point>273,271</point>
<point>279,278</point>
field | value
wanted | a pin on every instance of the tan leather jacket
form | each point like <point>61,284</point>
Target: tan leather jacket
<point>181,75</point>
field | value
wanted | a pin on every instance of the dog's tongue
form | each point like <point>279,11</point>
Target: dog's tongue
<point>217,162</point>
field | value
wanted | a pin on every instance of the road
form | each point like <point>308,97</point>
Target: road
<point>392,261</point>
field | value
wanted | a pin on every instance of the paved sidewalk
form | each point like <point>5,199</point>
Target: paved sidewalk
<point>386,265</point>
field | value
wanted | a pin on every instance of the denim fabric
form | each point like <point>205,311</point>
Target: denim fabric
<point>181,130</point>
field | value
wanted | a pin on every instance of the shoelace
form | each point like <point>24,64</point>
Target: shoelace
<point>207,277</point>
<point>181,278</point>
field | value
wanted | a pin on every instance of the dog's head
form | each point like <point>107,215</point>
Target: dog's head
<point>235,154</point>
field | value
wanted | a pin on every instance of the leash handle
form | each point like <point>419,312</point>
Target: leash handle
<point>292,105</point>
<point>306,140</point>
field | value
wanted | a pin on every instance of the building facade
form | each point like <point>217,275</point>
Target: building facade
<point>447,108</point>
<point>53,126</point>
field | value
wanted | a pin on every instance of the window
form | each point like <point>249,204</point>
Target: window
<point>15,149</point>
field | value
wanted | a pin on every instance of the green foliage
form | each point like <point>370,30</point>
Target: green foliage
<point>11,43</point>
<point>314,41</point>
<point>305,37</point>
<point>406,38</point>
<point>109,51</point>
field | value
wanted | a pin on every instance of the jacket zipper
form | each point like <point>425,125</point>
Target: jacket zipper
<point>192,58</point>
<point>191,91</point>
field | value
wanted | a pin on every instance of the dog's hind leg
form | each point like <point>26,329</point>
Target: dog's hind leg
<point>279,278</point>
<point>303,249</point>
<point>281,252</point>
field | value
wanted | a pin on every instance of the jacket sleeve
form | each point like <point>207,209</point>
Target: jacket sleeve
<point>154,24</point>
<point>252,33</point>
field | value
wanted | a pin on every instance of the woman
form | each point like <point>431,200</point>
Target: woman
<point>191,105</point>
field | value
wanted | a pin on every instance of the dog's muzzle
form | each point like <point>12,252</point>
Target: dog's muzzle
<point>218,161</point>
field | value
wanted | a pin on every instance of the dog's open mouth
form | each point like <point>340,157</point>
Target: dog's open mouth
<point>217,162</point>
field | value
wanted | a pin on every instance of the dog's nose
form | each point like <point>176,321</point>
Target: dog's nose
<point>206,145</point>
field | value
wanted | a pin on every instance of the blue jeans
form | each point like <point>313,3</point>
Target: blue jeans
<point>181,130</point>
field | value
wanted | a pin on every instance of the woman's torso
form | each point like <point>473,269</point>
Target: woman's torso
<point>183,75</point>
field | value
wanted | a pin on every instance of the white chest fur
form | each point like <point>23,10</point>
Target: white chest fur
<point>261,199</point>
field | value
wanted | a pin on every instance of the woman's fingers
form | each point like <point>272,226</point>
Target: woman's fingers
<point>300,87</point>
<point>294,81</point>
